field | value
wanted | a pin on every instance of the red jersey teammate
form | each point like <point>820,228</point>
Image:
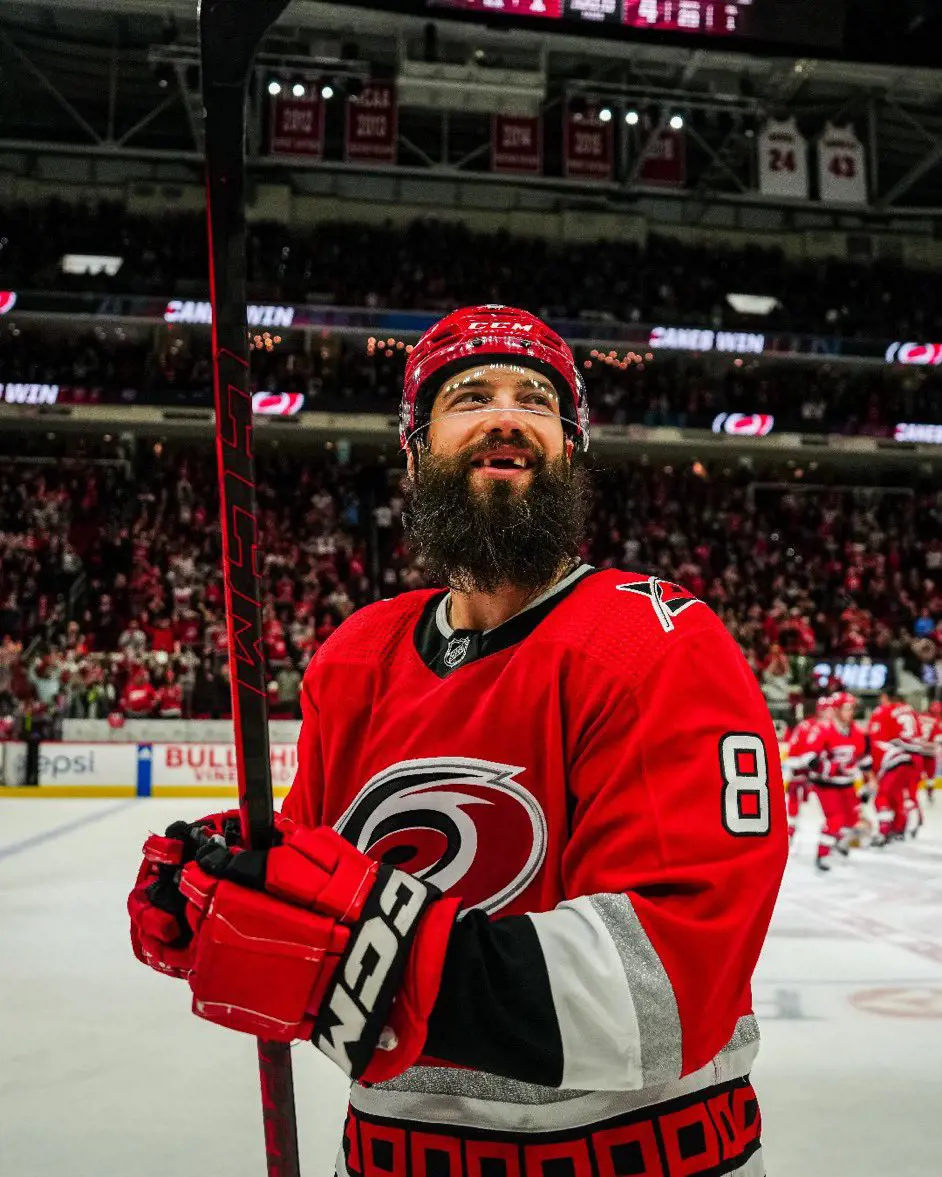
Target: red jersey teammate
<point>930,730</point>
<point>844,753</point>
<point>897,761</point>
<point>571,781</point>
<point>804,748</point>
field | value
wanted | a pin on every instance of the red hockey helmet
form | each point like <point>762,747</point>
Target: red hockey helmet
<point>843,699</point>
<point>491,334</point>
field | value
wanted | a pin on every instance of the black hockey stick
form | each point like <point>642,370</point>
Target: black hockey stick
<point>230,31</point>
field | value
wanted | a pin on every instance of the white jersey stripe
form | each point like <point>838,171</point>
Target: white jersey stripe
<point>592,997</point>
<point>651,992</point>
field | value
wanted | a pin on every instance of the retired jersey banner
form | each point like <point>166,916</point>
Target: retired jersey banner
<point>783,160</point>
<point>588,144</point>
<point>516,144</point>
<point>297,127</point>
<point>665,161</point>
<point>842,166</point>
<point>372,125</point>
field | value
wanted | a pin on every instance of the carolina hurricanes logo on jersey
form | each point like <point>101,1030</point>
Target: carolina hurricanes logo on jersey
<point>431,816</point>
<point>667,599</point>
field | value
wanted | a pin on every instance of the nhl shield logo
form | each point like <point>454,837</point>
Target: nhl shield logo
<point>457,652</point>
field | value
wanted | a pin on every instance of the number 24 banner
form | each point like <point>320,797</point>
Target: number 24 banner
<point>783,160</point>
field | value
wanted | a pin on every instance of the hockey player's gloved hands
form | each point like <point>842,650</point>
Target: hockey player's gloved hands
<point>160,933</point>
<point>313,939</point>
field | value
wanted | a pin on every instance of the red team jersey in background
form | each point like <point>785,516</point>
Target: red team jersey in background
<point>598,779</point>
<point>804,746</point>
<point>930,730</point>
<point>894,736</point>
<point>841,751</point>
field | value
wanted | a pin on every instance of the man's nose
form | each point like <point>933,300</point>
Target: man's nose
<point>504,417</point>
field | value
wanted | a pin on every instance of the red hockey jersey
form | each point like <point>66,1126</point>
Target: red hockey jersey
<point>598,778</point>
<point>804,748</point>
<point>843,753</point>
<point>894,736</point>
<point>930,731</point>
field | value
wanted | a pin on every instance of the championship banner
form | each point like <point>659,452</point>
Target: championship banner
<point>783,160</point>
<point>588,144</point>
<point>297,127</point>
<point>842,166</point>
<point>665,162</point>
<point>516,144</point>
<point>372,125</point>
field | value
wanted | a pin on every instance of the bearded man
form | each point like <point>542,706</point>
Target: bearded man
<point>523,876</point>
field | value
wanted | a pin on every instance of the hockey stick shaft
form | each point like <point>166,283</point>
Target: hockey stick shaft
<point>230,31</point>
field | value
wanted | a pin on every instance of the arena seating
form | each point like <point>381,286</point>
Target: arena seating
<point>111,597</point>
<point>436,265</point>
<point>349,375</point>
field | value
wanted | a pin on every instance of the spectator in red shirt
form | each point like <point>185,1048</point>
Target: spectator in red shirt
<point>139,697</point>
<point>170,697</point>
<point>187,628</point>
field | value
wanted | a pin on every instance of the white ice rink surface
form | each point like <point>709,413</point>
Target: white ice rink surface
<point>105,1073</point>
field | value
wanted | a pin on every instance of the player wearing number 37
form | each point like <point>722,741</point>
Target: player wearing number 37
<point>523,877</point>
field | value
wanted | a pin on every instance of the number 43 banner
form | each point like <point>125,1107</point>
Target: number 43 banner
<point>842,166</point>
<point>783,161</point>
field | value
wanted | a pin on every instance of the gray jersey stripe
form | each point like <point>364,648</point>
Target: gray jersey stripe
<point>458,1098</point>
<point>651,990</point>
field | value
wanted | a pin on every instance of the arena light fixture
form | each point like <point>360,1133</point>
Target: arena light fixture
<point>677,122</point>
<point>632,118</point>
<point>90,263</point>
<point>753,304</point>
<point>274,87</point>
<point>327,91</point>
<point>605,114</point>
<point>298,90</point>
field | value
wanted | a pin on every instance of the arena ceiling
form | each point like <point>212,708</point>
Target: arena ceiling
<point>80,74</point>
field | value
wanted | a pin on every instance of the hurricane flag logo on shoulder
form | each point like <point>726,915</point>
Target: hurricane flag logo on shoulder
<point>440,817</point>
<point>667,599</point>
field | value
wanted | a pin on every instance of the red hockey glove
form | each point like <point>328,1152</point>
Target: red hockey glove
<point>160,934</point>
<point>313,939</point>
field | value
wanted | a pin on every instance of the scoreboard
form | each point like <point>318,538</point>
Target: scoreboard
<point>798,22</point>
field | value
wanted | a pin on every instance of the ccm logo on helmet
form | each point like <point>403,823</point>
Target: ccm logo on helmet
<point>368,974</point>
<point>494,325</point>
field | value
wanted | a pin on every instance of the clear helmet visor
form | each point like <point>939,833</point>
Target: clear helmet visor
<point>497,388</point>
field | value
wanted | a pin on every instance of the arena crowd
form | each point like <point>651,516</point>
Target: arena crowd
<point>111,597</point>
<point>346,374</point>
<point>436,265</point>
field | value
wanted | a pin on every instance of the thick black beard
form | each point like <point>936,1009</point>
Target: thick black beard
<point>480,540</point>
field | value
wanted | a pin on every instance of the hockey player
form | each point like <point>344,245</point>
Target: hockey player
<point>897,752</point>
<point>843,755</point>
<point>536,835</point>
<point>930,731</point>
<point>804,748</point>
